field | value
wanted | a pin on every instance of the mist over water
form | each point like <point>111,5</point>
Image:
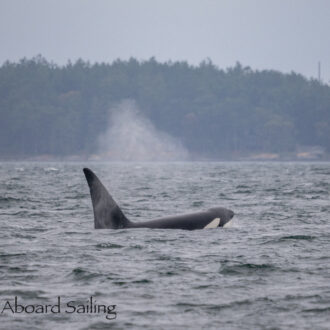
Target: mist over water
<point>131,136</point>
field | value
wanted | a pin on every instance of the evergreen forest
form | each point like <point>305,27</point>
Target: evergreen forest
<point>48,109</point>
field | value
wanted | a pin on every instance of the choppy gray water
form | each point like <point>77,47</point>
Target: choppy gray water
<point>270,270</point>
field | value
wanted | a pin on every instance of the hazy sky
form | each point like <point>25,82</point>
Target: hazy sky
<point>264,34</point>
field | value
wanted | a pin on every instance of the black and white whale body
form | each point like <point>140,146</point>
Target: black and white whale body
<point>107,213</point>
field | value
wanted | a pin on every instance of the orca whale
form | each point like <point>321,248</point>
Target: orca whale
<point>107,213</point>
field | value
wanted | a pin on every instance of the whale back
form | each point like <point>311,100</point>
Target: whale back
<point>107,213</point>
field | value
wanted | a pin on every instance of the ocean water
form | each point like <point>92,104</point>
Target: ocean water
<point>269,270</point>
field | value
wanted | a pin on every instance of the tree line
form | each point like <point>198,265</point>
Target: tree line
<point>61,110</point>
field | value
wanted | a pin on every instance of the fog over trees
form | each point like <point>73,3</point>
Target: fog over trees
<point>62,110</point>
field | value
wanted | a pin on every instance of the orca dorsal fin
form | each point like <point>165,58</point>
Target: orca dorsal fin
<point>107,213</point>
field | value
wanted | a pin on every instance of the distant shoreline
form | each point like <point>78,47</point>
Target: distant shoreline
<point>258,157</point>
